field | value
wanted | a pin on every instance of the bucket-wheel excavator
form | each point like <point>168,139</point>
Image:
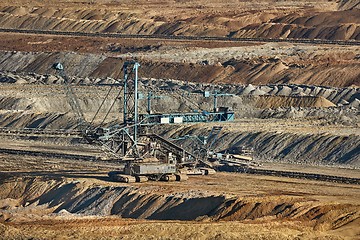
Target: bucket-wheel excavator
<point>147,156</point>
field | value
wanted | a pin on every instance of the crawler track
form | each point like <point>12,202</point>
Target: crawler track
<point>189,38</point>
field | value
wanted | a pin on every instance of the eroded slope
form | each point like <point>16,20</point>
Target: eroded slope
<point>314,71</point>
<point>264,19</point>
<point>62,196</point>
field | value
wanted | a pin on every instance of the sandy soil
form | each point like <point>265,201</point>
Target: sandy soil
<point>320,137</point>
<point>109,46</point>
<point>114,228</point>
<point>308,197</point>
<point>197,61</point>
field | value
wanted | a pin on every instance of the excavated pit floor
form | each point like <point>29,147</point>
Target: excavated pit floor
<point>277,207</point>
<point>49,197</point>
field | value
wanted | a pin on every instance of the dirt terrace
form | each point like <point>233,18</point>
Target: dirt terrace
<point>295,64</point>
<point>267,19</point>
<point>308,132</point>
<point>197,61</point>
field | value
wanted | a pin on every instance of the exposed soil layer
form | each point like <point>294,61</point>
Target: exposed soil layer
<point>113,228</point>
<point>285,19</point>
<point>258,71</point>
<point>261,96</point>
<point>46,43</point>
<point>61,198</point>
<point>139,202</point>
<point>300,148</point>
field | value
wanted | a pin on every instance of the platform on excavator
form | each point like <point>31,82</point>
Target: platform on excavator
<point>153,168</point>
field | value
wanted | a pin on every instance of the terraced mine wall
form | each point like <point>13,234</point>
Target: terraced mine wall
<point>259,72</point>
<point>299,148</point>
<point>330,22</point>
<point>29,104</point>
<point>277,146</point>
<point>64,197</point>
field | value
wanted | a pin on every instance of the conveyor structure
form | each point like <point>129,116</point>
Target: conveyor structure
<point>147,156</point>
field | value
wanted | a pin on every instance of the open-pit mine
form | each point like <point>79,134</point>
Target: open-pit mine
<point>179,119</point>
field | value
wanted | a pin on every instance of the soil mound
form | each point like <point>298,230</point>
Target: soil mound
<point>284,101</point>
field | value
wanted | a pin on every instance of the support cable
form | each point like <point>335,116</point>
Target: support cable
<point>112,105</point>
<point>102,103</point>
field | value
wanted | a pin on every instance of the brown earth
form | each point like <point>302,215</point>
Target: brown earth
<point>285,19</point>
<point>196,61</point>
<point>114,228</point>
<point>316,70</point>
<point>316,131</point>
<point>53,43</point>
<point>68,199</point>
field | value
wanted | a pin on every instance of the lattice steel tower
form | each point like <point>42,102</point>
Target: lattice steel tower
<point>131,103</point>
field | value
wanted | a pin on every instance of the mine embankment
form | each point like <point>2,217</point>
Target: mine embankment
<point>301,145</point>
<point>66,197</point>
<point>320,20</point>
<point>251,69</point>
<point>265,95</point>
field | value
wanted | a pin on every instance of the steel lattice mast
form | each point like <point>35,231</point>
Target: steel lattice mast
<point>131,103</point>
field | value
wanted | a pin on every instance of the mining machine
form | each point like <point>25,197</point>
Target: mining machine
<point>147,156</point>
